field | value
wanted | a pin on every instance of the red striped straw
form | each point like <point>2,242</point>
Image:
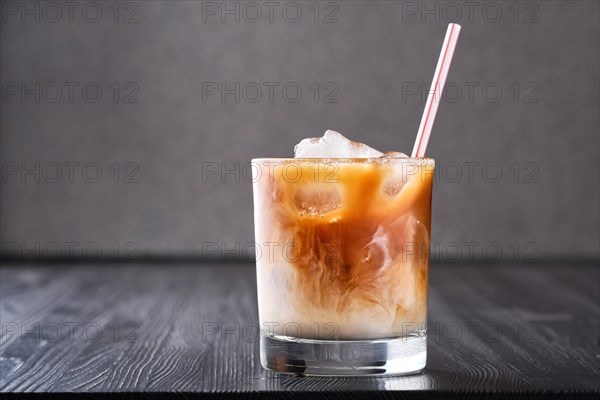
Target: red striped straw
<point>437,87</point>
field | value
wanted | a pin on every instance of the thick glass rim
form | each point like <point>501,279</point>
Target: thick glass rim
<point>426,160</point>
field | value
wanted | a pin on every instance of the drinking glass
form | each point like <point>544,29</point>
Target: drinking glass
<point>342,258</point>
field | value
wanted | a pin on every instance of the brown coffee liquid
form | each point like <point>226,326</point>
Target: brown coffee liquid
<point>355,234</point>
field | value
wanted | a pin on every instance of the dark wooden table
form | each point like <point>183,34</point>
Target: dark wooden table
<point>187,331</point>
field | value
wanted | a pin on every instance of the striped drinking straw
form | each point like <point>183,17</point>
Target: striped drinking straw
<point>437,87</point>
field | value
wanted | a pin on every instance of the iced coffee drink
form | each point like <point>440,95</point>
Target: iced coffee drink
<point>342,238</point>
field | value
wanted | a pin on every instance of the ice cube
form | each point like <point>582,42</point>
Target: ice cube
<point>333,145</point>
<point>318,200</point>
<point>405,236</point>
<point>393,154</point>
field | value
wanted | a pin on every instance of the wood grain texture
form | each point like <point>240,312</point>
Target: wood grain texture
<point>187,331</point>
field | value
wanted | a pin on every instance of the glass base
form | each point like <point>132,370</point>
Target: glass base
<point>398,356</point>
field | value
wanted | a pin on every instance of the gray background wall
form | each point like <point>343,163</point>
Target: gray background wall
<point>372,53</point>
